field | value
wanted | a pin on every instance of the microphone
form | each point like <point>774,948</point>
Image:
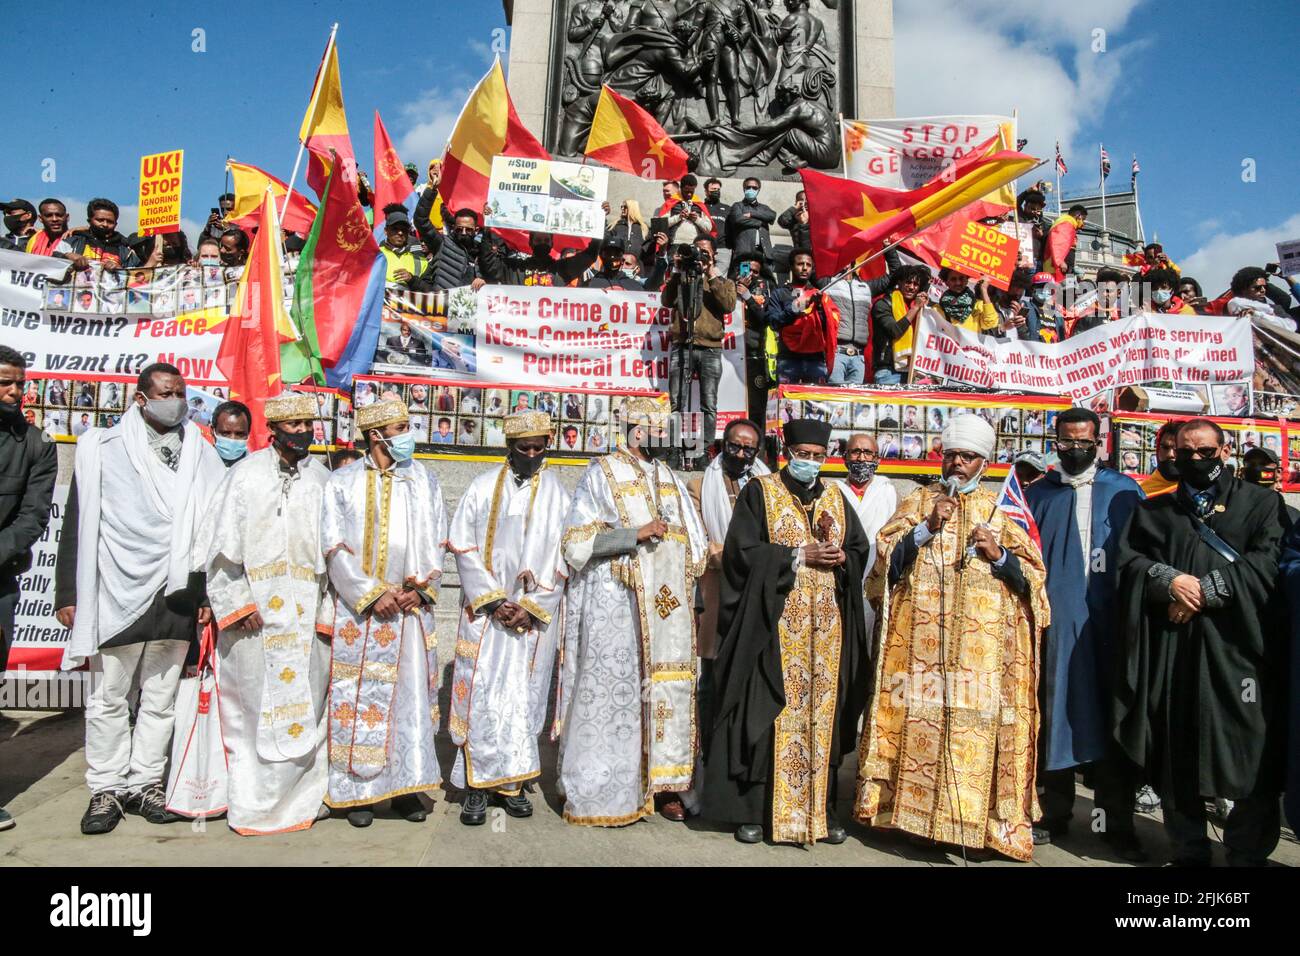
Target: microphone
<point>950,486</point>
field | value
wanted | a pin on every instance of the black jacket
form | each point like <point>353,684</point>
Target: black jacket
<point>113,249</point>
<point>800,233</point>
<point>747,234</point>
<point>28,463</point>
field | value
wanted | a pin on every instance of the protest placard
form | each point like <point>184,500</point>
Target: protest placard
<point>38,639</point>
<point>543,195</point>
<point>1024,233</point>
<point>160,192</point>
<point>980,251</point>
<point>1288,257</point>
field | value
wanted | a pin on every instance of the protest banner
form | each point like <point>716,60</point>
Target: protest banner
<point>908,424</point>
<point>1288,257</point>
<point>980,251</point>
<point>1024,233</point>
<point>1146,347</point>
<point>908,152</point>
<point>543,195</point>
<point>38,638</point>
<point>160,192</point>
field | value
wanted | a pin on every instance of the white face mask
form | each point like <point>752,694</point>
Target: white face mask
<point>167,412</point>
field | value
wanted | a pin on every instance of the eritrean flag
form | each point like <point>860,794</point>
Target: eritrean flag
<point>624,136</point>
<point>334,272</point>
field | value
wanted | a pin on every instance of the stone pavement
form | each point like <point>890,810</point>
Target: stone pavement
<point>42,784</point>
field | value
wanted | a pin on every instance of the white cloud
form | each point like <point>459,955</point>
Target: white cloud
<point>429,120</point>
<point>990,56</point>
<point>1222,253</point>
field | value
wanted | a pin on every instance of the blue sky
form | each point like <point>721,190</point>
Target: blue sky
<point>1193,87</point>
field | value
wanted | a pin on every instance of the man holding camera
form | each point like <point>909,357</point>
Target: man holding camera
<point>700,299</point>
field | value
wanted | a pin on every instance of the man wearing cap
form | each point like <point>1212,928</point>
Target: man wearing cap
<point>1081,510</point>
<point>506,539</point>
<point>792,669</point>
<point>20,224</point>
<point>1030,467</point>
<point>625,709</point>
<point>259,546</point>
<point>947,753</point>
<point>383,534</point>
<point>407,264</point>
<point>1261,466</point>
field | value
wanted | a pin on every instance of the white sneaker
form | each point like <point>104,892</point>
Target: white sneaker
<point>1146,801</point>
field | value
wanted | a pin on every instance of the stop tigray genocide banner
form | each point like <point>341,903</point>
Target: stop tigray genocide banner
<point>1146,347</point>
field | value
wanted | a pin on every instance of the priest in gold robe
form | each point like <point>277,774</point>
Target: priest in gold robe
<point>947,753</point>
<point>792,669</point>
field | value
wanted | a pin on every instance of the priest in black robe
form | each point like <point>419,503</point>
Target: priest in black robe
<point>792,671</point>
<point>1200,694</point>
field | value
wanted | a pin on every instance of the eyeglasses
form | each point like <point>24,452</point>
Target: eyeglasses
<point>965,457</point>
<point>808,455</point>
<point>1187,454</point>
<point>742,451</point>
<point>1259,287</point>
<point>861,454</point>
<point>1067,444</point>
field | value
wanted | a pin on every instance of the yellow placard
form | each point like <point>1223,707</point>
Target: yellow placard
<point>160,192</point>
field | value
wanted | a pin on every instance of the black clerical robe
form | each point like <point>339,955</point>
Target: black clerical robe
<point>785,633</point>
<point>1200,706</point>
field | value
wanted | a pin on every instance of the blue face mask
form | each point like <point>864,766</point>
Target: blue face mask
<point>1162,296</point>
<point>231,449</point>
<point>402,446</point>
<point>971,485</point>
<point>803,471</point>
<point>751,194</point>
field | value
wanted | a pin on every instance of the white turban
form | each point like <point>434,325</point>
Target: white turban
<point>969,433</point>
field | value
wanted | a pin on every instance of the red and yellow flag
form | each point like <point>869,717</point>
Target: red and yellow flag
<point>250,185</point>
<point>851,219</point>
<point>392,185</point>
<point>249,355</point>
<point>487,126</point>
<point>624,136</point>
<point>325,124</point>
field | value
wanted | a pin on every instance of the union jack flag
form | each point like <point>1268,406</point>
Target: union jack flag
<point>1105,163</point>
<point>1060,161</point>
<point>1011,499</point>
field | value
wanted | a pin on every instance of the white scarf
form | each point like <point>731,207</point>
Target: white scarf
<point>715,503</point>
<point>167,500</point>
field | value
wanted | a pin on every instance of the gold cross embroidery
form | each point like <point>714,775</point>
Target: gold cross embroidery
<point>287,675</point>
<point>666,602</point>
<point>662,713</point>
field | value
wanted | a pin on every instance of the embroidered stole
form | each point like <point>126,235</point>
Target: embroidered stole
<point>810,634</point>
<point>662,581</point>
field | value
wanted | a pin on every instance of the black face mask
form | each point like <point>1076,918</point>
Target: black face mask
<point>295,443</point>
<point>1256,475</point>
<point>656,452</point>
<point>13,223</point>
<point>733,466</point>
<point>1075,461</point>
<point>1200,473</point>
<point>11,409</point>
<point>1168,469</point>
<point>466,242</point>
<point>525,466</point>
<point>101,234</point>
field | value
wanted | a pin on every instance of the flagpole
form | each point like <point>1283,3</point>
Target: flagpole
<point>1015,203</point>
<point>1101,170</point>
<point>1058,179</point>
<point>301,145</point>
<point>1142,235</point>
<point>859,263</point>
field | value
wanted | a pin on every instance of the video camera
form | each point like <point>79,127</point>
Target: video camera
<point>689,261</point>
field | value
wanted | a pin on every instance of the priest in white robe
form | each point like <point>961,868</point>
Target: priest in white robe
<point>506,539</point>
<point>625,711</point>
<point>871,496</point>
<point>383,533</point>
<point>260,548</point>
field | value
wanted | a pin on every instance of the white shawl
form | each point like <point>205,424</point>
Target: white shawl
<point>715,504</point>
<point>112,597</point>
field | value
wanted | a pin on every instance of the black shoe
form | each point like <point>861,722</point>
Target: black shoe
<point>150,802</point>
<point>410,807</point>
<point>361,817</point>
<point>518,806</point>
<point>1125,845</point>
<point>750,833</point>
<point>835,833</point>
<point>1042,836</point>
<point>1045,831</point>
<point>103,814</point>
<point>473,812</point>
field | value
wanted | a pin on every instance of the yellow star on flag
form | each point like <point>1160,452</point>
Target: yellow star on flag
<point>656,148</point>
<point>870,216</point>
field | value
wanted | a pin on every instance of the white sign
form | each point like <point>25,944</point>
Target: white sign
<point>1183,349</point>
<point>543,195</point>
<point>1288,257</point>
<point>38,639</point>
<point>906,153</point>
